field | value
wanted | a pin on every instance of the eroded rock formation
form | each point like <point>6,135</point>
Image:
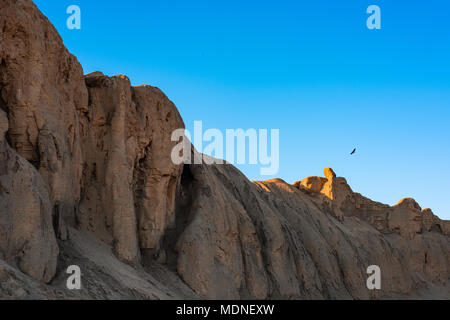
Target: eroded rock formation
<point>271,239</point>
<point>129,180</point>
<point>27,239</point>
<point>406,218</point>
<point>86,178</point>
<point>98,143</point>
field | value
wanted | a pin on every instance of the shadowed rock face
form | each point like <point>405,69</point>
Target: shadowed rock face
<point>86,178</point>
<point>27,239</point>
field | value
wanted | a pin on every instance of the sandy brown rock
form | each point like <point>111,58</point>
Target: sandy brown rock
<point>101,146</point>
<point>274,240</point>
<point>156,178</point>
<point>27,239</point>
<point>93,153</point>
<point>107,204</point>
<point>42,90</point>
<point>103,276</point>
<point>129,180</point>
<point>406,217</point>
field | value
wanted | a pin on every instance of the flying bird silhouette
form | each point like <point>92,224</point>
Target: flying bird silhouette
<point>353,152</point>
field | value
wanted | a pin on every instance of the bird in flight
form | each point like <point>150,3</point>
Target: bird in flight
<point>354,150</point>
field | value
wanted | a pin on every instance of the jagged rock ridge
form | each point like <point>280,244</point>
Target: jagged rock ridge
<point>86,178</point>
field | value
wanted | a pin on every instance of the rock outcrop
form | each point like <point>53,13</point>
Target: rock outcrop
<point>27,239</point>
<point>86,178</point>
<point>406,218</point>
<point>128,181</point>
<point>98,143</point>
<point>271,239</point>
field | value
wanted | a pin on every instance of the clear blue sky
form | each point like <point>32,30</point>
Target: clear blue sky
<point>310,68</point>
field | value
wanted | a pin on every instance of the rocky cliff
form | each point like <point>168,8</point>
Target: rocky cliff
<point>86,179</point>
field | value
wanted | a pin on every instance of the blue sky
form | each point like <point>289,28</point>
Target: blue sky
<point>309,68</point>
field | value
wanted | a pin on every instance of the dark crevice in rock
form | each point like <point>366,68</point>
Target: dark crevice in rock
<point>3,105</point>
<point>183,205</point>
